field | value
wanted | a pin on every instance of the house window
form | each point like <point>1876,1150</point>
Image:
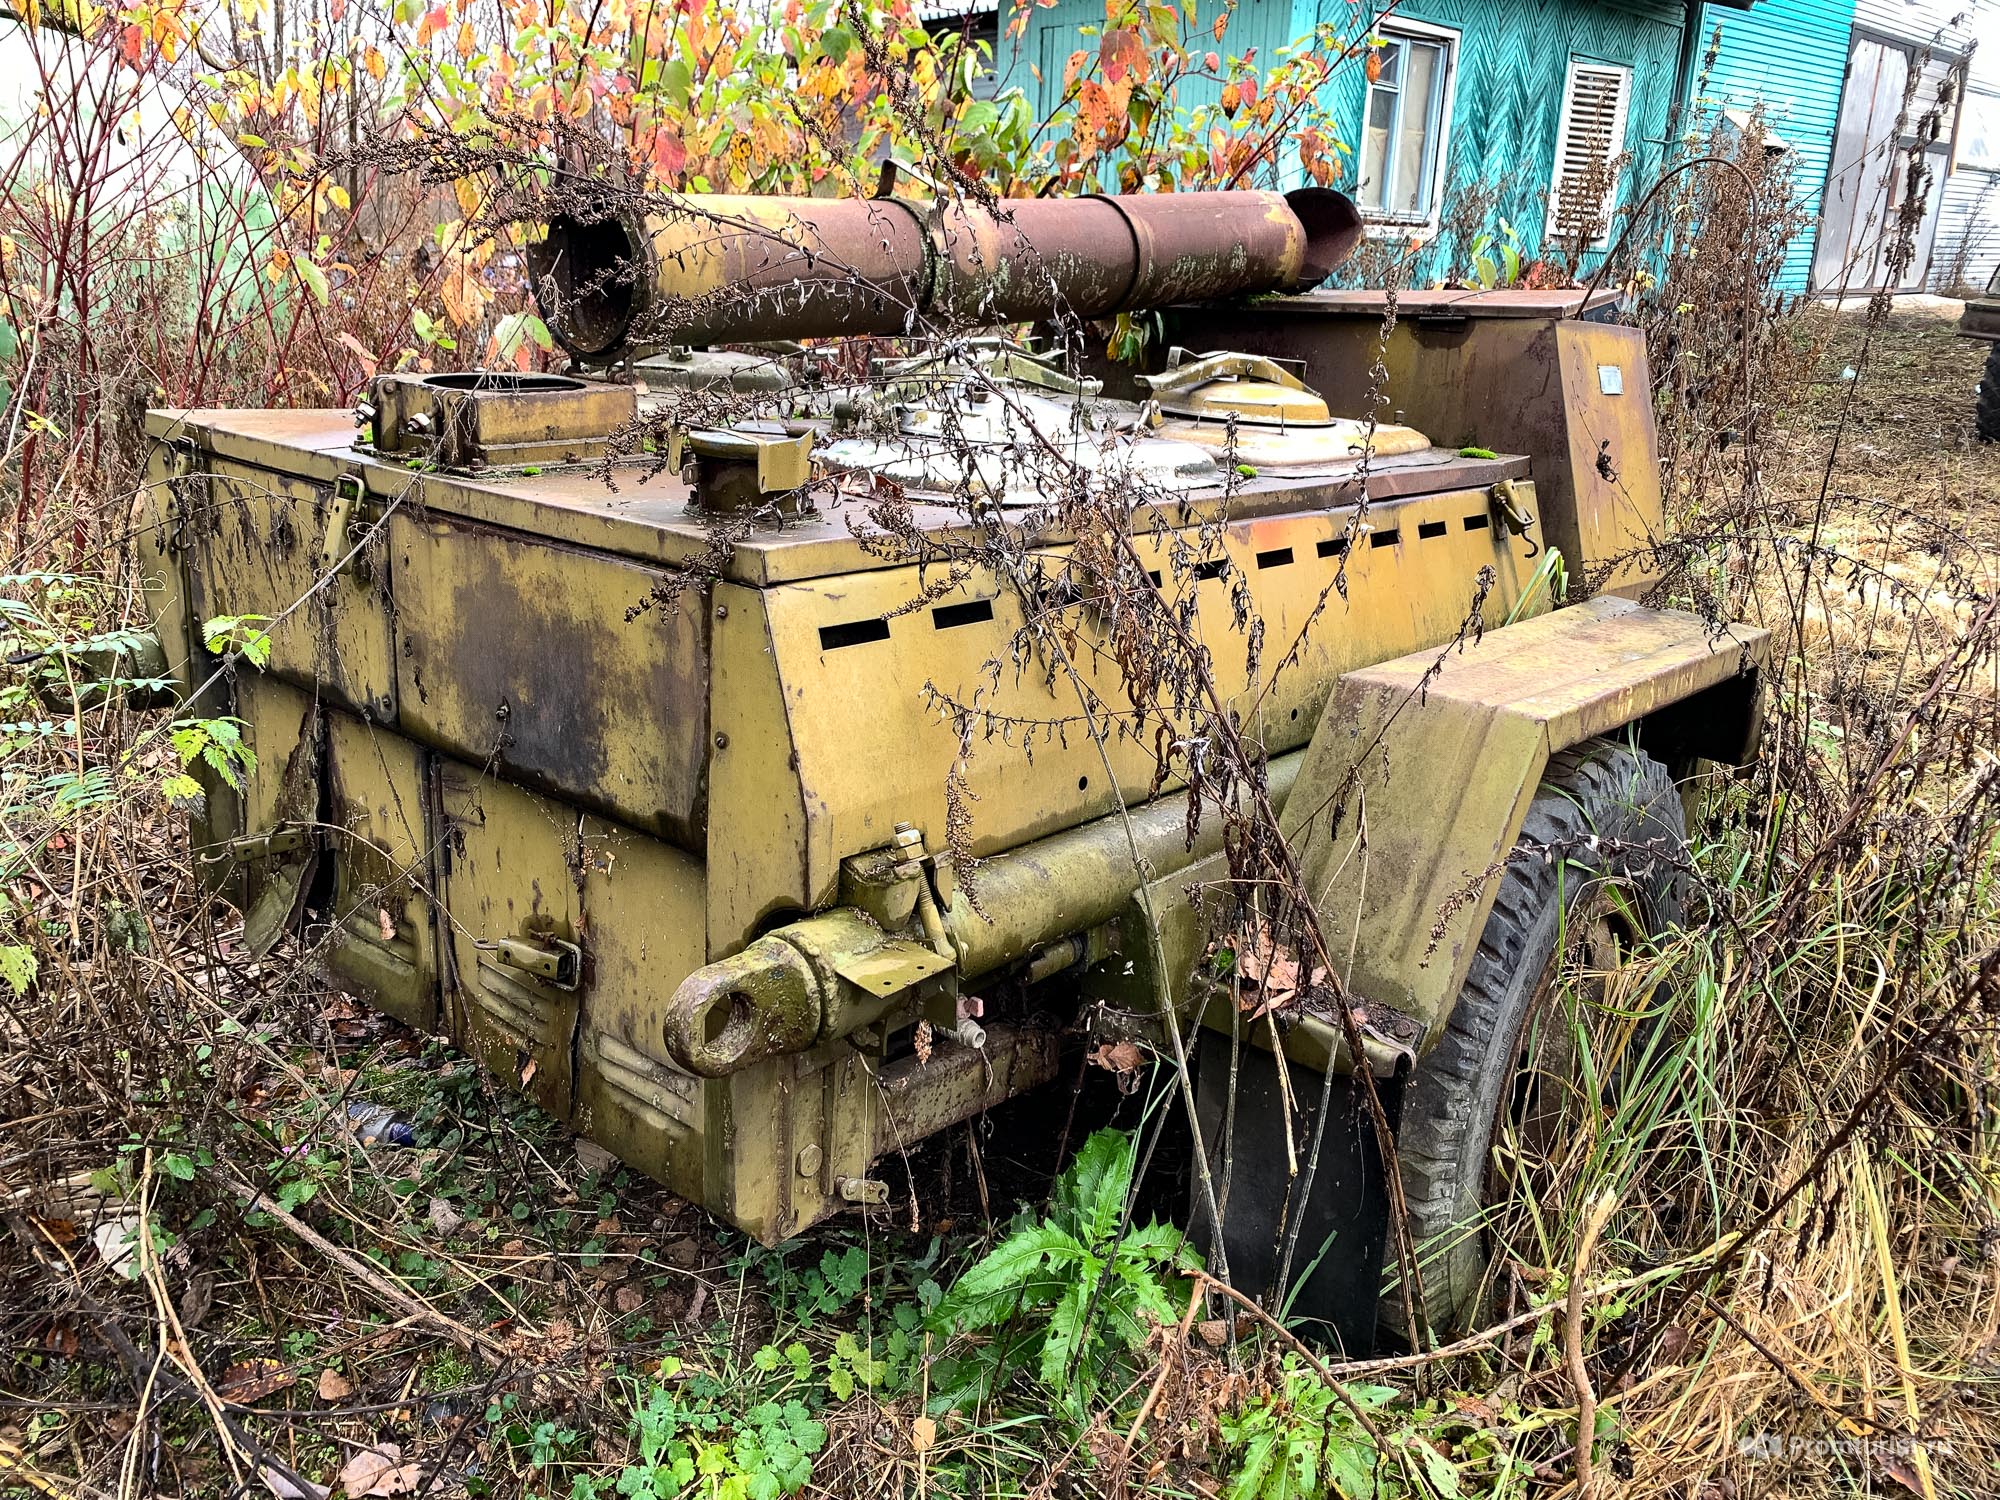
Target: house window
<point>1404,123</point>
<point>1589,140</point>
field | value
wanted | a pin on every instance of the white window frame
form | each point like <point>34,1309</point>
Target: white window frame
<point>1621,123</point>
<point>1380,225</point>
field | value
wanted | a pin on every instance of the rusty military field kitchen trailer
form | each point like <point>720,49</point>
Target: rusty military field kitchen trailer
<point>673,871</point>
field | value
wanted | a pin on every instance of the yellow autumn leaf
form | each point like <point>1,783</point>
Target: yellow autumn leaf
<point>372,61</point>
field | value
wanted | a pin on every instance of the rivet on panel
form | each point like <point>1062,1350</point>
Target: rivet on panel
<point>808,1161</point>
<point>722,742</point>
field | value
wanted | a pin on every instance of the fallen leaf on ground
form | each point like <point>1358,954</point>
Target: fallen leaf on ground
<point>378,1471</point>
<point>284,1489</point>
<point>334,1386</point>
<point>117,1245</point>
<point>251,1380</point>
<point>444,1219</point>
<point>923,1434</point>
<point>58,1231</point>
<point>628,1298</point>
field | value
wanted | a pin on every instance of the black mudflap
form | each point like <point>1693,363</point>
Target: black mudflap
<point>1336,1267</point>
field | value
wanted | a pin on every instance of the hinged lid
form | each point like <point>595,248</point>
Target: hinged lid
<point>476,418</point>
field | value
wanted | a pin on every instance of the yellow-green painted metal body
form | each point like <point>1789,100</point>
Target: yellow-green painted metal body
<point>649,831</point>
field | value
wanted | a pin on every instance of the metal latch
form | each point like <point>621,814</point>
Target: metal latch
<point>281,839</point>
<point>346,495</point>
<point>1508,511</point>
<point>741,468</point>
<point>556,963</point>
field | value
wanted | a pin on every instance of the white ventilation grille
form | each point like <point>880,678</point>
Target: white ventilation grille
<point>1589,142</point>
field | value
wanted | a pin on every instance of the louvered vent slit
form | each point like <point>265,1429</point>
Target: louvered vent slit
<point>951,616</point>
<point>853,633</point>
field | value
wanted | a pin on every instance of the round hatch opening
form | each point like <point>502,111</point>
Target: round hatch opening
<point>511,385</point>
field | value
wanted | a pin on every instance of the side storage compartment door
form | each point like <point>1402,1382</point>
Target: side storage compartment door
<point>643,902</point>
<point>261,845</point>
<point>543,661</point>
<point>567,933</point>
<point>381,925</point>
<point>256,545</point>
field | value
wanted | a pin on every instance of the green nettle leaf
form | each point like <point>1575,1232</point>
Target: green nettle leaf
<point>183,791</point>
<point>17,967</point>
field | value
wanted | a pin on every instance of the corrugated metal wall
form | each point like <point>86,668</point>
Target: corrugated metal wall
<point>1512,60</point>
<point>1967,249</point>
<point>1787,57</point>
<point>1919,21</point>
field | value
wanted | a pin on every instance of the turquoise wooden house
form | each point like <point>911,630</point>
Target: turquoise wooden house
<point>1519,107</point>
<point>1555,114</point>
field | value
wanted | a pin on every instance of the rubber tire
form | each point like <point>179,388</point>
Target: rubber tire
<point>1453,1099</point>
<point>1986,418</point>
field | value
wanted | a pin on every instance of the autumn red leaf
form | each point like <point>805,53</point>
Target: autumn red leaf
<point>1122,53</point>
<point>669,155</point>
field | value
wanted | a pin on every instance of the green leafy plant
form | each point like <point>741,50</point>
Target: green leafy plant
<point>215,743</point>
<point>1301,1441</point>
<point>1072,1292</point>
<point>694,1441</point>
<point>1496,259</point>
<point>239,635</point>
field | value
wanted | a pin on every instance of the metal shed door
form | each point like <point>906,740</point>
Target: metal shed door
<point>1867,179</point>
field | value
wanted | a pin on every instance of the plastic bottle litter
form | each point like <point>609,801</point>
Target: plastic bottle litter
<point>379,1125</point>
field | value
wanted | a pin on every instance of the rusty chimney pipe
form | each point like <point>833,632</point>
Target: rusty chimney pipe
<point>720,269</point>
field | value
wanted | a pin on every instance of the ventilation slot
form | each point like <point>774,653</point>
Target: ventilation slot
<point>1214,568</point>
<point>951,616</point>
<point>1277,557</point>
<point>1429,529</point>
<point>853,633</point>
<point>1333,546</point>
<point>1387,538</point>
<point>1153,577</point>
<point>1479,522</point>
